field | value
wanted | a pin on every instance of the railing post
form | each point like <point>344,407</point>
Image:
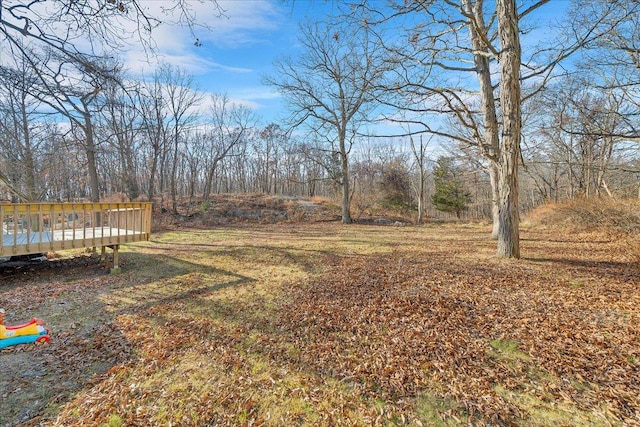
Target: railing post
<point>116,259</point>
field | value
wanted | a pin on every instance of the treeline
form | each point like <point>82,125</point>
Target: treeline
<point>146,139</point>
<point>163,139</point>
<point>82,129</point>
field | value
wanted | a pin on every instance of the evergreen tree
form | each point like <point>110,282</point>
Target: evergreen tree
<point>450,194</point>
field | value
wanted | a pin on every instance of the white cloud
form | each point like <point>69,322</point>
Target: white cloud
<point>137,61</point>
<point>242,24</point>
<point>257,93</point>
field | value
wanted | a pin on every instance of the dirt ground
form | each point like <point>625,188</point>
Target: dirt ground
<point>46,374</point>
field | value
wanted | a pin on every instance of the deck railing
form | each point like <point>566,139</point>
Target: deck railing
<point>29,228</point>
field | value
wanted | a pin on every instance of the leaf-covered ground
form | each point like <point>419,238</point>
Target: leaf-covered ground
<point>326,325</point>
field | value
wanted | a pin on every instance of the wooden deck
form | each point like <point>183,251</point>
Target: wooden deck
<point>31,228</point>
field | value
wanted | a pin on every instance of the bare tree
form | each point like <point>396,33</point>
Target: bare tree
<point>269,147</point>
<point>83,30</point>
<point>463,60</point>
<point>612,64</point>
<point>331,87</point>
<point>575,137</point>
<point>420,158</point>
<point>72,92</point>
<point>228,126</point>
<point>23,130</point>
<point>122,128</point>
<point>155,130</point>
<point>183,100</point>
<point>60,39</point>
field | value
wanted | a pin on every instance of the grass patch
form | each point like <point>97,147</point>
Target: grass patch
<point>508,349</point>
<point>330,325</point>
<point>550,413</point>
<point>436,411</point>
<point>115,421</point>
<point>535,401</point>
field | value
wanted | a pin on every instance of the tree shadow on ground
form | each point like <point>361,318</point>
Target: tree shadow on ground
<point>80,303</point>
<point>606,270</point>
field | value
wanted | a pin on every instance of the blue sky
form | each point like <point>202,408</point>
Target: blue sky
<point>239,47</point>
<point>236,51</point>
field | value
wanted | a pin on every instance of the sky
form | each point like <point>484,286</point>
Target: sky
<point>235,52</point>
<point>240,46</point>
<point>237,48</point>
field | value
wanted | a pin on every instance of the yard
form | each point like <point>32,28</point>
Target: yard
<point>322,324</point>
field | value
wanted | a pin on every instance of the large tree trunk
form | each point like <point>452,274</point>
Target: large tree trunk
<point>488,142</point>
<point>510,56</point>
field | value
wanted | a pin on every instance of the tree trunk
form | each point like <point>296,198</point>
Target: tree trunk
<point>152,175</point>
<point>419,157</point>
<point>129,172</point>
<point>208,183</point>
<point>346,215</point>
<point>29,162</point>
<point>174,171</point>
<point>495,198</point>
<point>489,142</point>
<point>510,57</point>
<point>344,168</point>
<point>90,148</point>
<point>420,219</point>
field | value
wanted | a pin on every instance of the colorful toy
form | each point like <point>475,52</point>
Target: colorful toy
<point>29,332</point>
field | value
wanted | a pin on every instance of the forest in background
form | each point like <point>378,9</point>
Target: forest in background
<point>82,128</point>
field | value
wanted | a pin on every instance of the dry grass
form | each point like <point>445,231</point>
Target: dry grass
<point>324,325</point>
<point>242,209</point>
<point>594,218</point>
<point>602,214</point>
